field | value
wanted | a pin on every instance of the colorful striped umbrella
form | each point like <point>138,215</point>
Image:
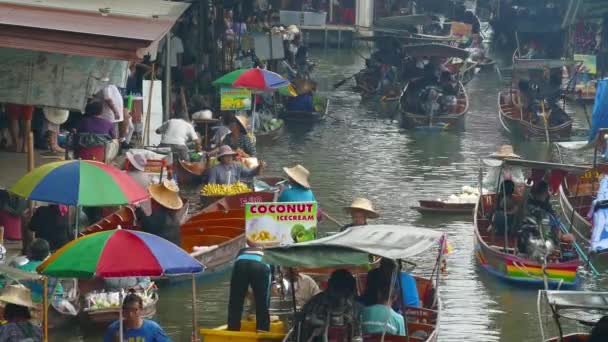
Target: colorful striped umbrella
<point>80,183</point>
<point>254,78</point>
<point>119,253</point>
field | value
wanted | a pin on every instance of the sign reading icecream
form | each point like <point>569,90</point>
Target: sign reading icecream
<point>235,99</point>
<point>271,223</point>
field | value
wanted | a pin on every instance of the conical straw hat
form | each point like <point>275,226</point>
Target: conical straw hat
<point>18,295</point>
<point>166,194</point>
<point>505,151</point>
<point>364,204</point>
<point>299,174</point>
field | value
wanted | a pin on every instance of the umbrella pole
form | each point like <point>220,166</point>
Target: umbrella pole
<point>121,327</point>
<point>77,223</point>
<point>253,114</point>
<point>194,319</point>
<point>45,310</point>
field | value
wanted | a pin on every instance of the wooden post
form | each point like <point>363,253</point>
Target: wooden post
<point>30,151</point>
<point>26,234</point>
<point>194,318</point>
<point>167,80</point>
<point>45,310</point>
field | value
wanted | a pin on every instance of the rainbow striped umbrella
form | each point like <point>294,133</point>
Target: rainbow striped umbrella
<point>80,183</point>
<point>119,253</point>
<point>254,78</point>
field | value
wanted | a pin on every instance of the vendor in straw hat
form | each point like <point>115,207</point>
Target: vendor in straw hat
<point>166,204</point>
<point>298,187</point>
<point>238,138</point>
<point>229,172</point>
<point>18,301</point>
<point>360,210</point>
<point>137,168</point>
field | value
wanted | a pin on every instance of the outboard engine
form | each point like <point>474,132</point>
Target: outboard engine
<point>530,241</point>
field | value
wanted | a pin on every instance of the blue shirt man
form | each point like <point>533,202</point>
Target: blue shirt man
<point>149,331</point>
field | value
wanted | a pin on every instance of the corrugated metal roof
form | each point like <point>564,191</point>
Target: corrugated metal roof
<point>114,29</point>
<point>132,19</point>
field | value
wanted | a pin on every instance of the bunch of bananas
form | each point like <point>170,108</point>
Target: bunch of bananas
<point>224,189</point>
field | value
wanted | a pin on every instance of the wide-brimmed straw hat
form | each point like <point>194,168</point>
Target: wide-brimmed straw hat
<point>225,150</point>
<point>137,160</point>
<point>505,151</point>
<point>166,194</point>
<point>56,115</point>
<point>304,86</point>
<point>18,295</point>
<point>364,204</point>
<point>299,174</point>
<point>243,121</point>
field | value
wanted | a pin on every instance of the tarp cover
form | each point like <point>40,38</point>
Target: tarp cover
<point>599,118</point>
<point>18,275</point>
<point>354,245</point>
<point>599,233</point>
<point>577,299</point>
<point>55,80</point>
<point>532,164</point>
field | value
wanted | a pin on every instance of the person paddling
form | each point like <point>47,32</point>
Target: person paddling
<point>360,210</point>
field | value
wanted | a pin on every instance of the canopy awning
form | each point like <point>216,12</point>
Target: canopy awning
<point>19,275</point>
<point>354,245</point>
<point>403,21</point>
<point>434,50</point>
<point>577,300</point>
<point>532,164</point>
<point>112,29</point>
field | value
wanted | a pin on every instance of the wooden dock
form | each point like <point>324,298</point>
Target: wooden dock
<point>330,35</point>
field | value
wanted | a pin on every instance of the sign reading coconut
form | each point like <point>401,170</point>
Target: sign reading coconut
<point>235,99</point>
<point>271,223</point>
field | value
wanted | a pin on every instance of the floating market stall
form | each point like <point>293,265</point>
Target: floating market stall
<point>122,253</point>
<point>353,247</point>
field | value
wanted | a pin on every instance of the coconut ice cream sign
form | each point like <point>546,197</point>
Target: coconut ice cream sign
<point>272,224</point>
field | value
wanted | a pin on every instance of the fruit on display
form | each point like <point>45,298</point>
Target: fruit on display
<point>224,189</point>
<point>299,233</point>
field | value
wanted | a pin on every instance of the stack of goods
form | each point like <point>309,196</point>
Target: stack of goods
<point>224,189</point>
<point>111,300</point>
<point>469,195</point>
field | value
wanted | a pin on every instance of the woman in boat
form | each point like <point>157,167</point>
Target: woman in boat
<point>303,102</point>
<point>138,162</point>
<point>506,215</point>
<point>375,278</point>
<point>229,172</point>
<point>38,252</point>
<point>164,220</point>
<point>360,210</point>
<point>298,187</point>
<point>249,270</point>
<point>338,300</point>
<point>238,138</point>
<point>18,301</point>
<point>380,317</point>
<point>135,327</point>
<point>94,133</point>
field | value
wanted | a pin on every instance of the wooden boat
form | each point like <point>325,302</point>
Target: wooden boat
<point>269,136</point>
<point>59,317</point>
<point>189,173</point>
<point>518,123</point>
<point>439,207</point>
<point>308,117</point>
<point>570,311</point>
<point>215,234</point>
<point>125,218</point>
<point>499,255</point>
<point>102,318</point>
<point>575,200</point>
<point>412,118</point>
<point>426,317</point>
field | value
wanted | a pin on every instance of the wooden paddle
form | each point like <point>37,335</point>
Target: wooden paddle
<point>339,84</point>
<point>326,215</point>
<point>545,120</point>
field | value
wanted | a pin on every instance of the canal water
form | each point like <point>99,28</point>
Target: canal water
<point>361,152</point>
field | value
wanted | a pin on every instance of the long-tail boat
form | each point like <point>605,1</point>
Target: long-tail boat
<point>500,255</point>
<point>411,112</point>
<point>515,109</point>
